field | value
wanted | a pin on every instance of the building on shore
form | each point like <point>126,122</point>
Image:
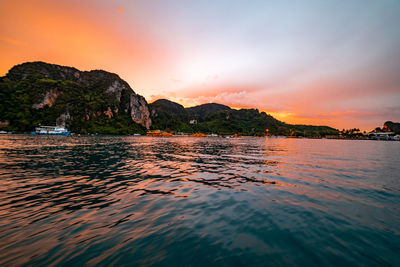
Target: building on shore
<point>381,135</point>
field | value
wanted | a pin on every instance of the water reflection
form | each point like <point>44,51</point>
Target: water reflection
<point>143,200</point>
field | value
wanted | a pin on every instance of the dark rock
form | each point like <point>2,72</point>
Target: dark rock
<point>390,126</point>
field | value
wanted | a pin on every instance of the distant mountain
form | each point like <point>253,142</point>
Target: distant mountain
<point>85,101</point>
<point>206,110</point>
<point>221,119</point>
<point>170,108</point>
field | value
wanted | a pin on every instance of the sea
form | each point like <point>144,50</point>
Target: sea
<point>186,201</point>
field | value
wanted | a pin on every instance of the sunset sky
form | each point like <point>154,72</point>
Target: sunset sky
<point>333,63</point>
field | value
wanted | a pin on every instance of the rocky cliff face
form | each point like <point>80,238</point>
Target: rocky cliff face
<point>73,96</point>
<point>49,99</point>
<point>139,110</point>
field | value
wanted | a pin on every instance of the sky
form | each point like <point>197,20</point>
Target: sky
<point>333,63</point>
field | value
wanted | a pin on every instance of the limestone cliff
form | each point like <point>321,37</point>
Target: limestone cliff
<point>64,95</point>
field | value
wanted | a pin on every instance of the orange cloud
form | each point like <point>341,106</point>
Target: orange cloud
<point>12,41</point>
<point>159,56</point>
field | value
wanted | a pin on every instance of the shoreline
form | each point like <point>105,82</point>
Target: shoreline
<point>212,136</point>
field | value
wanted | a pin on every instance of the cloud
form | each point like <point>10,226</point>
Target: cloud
<point>322,63</point>
<point>12,41</point>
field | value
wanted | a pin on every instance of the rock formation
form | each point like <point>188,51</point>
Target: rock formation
<point>390,126</point>
<point>69,96</point>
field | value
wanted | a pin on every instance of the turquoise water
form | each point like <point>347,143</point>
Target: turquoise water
<point>198,201</point>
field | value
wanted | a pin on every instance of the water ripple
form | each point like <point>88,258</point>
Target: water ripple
<point>198,201</point>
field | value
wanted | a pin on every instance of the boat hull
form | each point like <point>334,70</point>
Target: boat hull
<point>64,133</point>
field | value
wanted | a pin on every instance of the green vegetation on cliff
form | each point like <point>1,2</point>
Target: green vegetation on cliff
<point>38,93</point>
<point>221,119</point>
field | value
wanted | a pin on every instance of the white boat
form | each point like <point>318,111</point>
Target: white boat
<point>397,137</point>
<point>51,130</point>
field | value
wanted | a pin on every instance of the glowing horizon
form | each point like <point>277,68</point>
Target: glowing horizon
<point>322,63</point>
